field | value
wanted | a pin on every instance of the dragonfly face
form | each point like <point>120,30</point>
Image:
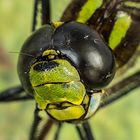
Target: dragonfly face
<point>67,68</point>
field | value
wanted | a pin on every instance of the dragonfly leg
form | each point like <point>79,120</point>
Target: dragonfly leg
<point>45,16</point>
<point>45,11</point>
<point>58,131</point>
<point>85,132</point>
<point>121,89</point>
<point>38,133</point>
<point>35,15</point>
<point>14,94</point>
<point>36,122</point>
<point>45,130</point>
<point>79,131</point>
<point>88,131</point>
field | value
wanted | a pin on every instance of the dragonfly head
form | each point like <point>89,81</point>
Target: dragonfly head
<point>70,62</point>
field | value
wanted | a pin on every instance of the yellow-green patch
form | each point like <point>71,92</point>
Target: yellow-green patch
<point>59,84</point>
<point>56,24</point>
<point>49,52</point>
<point>72,92</point>
<point>132,4</point>
<point>88,9</point>
<point>64,72</point>
<point>120,29</point>
<point>70,113</point>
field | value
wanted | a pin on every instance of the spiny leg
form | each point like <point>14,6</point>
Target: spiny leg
<point>45,130</point>
<point>84,131</point>
<point>36,133</point>
<point>121,89</point>
<point>35,15</point>
<point>80,133</point>
<point>37,120</point>
<point>72,11</point>
<point>45,11</point>
<point>45,7</point>
<point>14,94</point>
<point>58,131</point>
<point>88,131</point>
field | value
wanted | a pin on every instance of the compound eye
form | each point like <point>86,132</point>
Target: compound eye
<point>88,52</point>
<point>99,67</point>
<point>35,45</point>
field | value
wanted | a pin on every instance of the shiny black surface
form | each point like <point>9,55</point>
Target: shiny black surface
<point>88,53</point>
<point>76,42</point>
<point>35,45</point>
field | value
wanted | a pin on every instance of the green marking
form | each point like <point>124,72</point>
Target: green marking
<point>70,113</point>
<point>61,83</point>
<point>72,92</point>
<point>65,72</point>
<point>88,9</point>
<point>40,101</point>
<point>119,30</point>
<point>48,52</point>
<point>132,4</point>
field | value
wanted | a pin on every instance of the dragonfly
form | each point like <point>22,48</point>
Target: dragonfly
<point>113,24</point>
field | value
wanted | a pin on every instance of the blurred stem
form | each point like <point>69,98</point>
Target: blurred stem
<point>35,15</point>
<point>45,130</point>
<point>45,11</point>
<point>88,131</point>
<point>121,89</point>
<point>14,94</point>
<point>37,120</point>
<point>58,131</point>
<point>79,131</point>
<point>84,131</point>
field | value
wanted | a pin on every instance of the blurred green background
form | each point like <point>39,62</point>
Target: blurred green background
<point>118,121</point>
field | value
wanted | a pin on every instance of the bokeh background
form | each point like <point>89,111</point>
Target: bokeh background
<point>118,121</point>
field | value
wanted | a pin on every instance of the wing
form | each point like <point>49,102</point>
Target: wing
<point>118,21</point>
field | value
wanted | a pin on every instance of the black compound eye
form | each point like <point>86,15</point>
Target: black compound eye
<point>88,53</point>
<point>35,45</point>
<point>76,42</point>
